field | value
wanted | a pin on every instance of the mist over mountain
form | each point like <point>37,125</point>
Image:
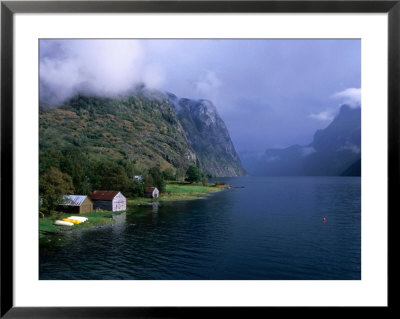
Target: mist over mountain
<point>334,151</point>
<point>269,92</point>
<point>145,127</point>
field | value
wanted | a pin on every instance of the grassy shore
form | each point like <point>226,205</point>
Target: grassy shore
<point>96,218</point>
<point>175,191</point>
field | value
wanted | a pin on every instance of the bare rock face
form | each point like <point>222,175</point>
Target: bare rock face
<point>208,136</point>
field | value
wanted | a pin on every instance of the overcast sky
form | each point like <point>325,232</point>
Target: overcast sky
<point>270,93</point>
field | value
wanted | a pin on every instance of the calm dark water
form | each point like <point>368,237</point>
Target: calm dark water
<point>271,229</point>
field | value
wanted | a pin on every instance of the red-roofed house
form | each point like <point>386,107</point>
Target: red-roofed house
<point>108,200</point>
<point>151,192</point>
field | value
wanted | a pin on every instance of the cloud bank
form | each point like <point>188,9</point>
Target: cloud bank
<point>350,96</point>
<point>209,85</point>
<point>271,93</point>
<point>323,116</point>
<point>100,67</point>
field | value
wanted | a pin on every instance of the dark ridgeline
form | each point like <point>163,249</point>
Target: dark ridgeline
<point>334,151</point>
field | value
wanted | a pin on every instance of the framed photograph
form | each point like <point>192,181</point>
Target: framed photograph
<point>182,158</point>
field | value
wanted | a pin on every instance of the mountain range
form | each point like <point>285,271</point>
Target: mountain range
<point>334,151</point>
<point>147,127</point>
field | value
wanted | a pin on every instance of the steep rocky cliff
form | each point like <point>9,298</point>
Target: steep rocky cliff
<point>208,136</point>
<point>146,127</point>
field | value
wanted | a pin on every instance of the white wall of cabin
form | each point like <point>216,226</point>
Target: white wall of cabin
<point>119,203</point>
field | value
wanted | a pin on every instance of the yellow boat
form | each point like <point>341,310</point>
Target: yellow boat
<point>63,223</point>
<point>74,221</point>
<point>80,218</point>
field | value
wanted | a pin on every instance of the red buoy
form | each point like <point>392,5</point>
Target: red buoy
<point>324,219</point>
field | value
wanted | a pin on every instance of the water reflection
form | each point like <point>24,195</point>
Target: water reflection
<point>271,229</point>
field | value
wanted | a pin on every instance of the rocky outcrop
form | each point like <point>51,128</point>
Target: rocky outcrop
<point>208,136</point>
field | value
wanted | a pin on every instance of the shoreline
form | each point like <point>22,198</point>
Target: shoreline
<point>171,196</point>
<point>96,219</point>
<point>101,219</point>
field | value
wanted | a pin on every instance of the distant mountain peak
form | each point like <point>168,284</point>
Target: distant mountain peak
<point>346,108</point>
<point>331,152</point>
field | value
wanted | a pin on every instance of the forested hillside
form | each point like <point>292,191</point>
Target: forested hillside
<point>103,142</point>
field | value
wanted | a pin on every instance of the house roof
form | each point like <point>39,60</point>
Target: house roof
<point>103,195</point>
<point>73,200</point>
<point>150,189</point>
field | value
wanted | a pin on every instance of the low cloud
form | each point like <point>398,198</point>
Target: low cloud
<point>268,91</point>
<point>351,147</point>
<point>209,85</point>
<point>323,116</point>
<point>350,96</point>
<point>271,158</point>
<point>307,150</point>
<point>102,67</point>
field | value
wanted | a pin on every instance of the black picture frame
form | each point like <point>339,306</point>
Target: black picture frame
<point>9,8</point>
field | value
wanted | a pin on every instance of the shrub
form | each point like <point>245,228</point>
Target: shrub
<point>53,185</point>
<point>193,174</point>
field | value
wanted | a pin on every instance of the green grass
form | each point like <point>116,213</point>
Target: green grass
<point>175,191</point>
<point>188,188</point>
<point>139,201</point>
<point>98,218</point>
<point>143,130</point>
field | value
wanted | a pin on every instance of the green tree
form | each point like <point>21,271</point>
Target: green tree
<point>53,185</point>
<point>204,181</point>
<point>135,189</point>
<point>49,158</point>
<point>158,178</point>
<point>193,174</point>
<point>169,174</point>
<point>112,176</point>
<point>130,168</point>
<point>75,163</point>
<point>148,180</point>
<point>180,174</point>
<point>85,187</point>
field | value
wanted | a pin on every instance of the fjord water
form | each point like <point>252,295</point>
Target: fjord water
<point>272,229</point>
